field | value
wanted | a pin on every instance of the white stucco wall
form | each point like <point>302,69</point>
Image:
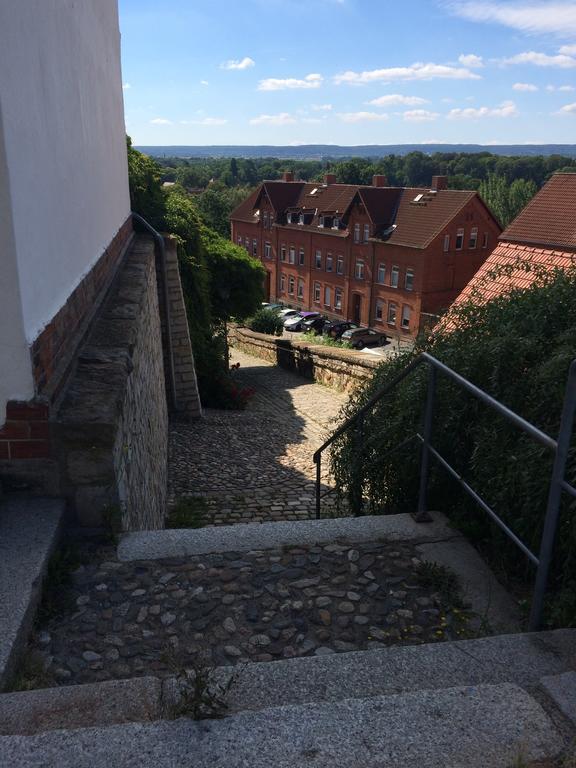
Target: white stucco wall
<point>64,143</point>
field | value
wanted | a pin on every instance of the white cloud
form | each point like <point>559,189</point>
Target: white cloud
<point>312,120</point>
<point>361,117</point>
<point>562,88</point>
<point>470,60</point>
<point>527,87</point>
<point>418,71</point>
<point>322,107</point>
<point>161,121</point>
<point>126,87</point>
<point>506,109</point>
<point>530,17</point>
<point>569,50</point>
<point>542,60</point>
<point>204,82</point>
<point>244,63</point>
<point>420,116</point>
<point>282,119</point>
<point>395,99</point>
<point>206,121</point>
<point>568,109</point>
<point>278,84</point>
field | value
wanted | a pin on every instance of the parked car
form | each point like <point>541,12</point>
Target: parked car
<point>364,337</point>
<point>272,307</point>
<point>315,324</point>
<point>295,323</point>
<point>335,328</point>
<point>286,313</point>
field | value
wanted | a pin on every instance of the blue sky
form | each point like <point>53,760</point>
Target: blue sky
<point>349,71</point>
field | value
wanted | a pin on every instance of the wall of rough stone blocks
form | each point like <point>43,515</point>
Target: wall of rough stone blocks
<point>341,369</point>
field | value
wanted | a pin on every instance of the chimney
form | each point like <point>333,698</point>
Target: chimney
<point>329,178</point>
<point>439,182</point>
<point>379,180</point>
<point>288,176</point>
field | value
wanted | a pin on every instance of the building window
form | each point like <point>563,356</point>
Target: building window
<point>446,243</point>
<point>359,270</point>
<point>392,313</point>
<point>270,220</point>
<point>247,244</point>
<point>381,273</point>
<point>254,247</point>
<point>336,223</point>
<point>473,237</point>
<point>289,218</point>
<point>265,217</point>
<point>366,232</point>
<point>301,256</point>
<point>459,239</point>
<point>282,253</point>
<point>356,233</point>
<point>282,283</point>
<point>292,255</point>
<point>379,310</point>
<point>321,223</point>
<point>300,288</point>
<point>339,265</point>
<point>317,293</point>
<point>267,251</point>
<point>485,240</point>
<point>394,276</point>
<point>291,285</point>
<point>329,262</point>
<point>338,298</point>
<point>301,219</point>
<point>318,259</point>
<point>409,280</point>
<point>327,296</point>
<point>239,239</point>
<point>405,316</point>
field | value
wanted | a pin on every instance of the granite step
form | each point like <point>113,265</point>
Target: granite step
<point>485,726</point>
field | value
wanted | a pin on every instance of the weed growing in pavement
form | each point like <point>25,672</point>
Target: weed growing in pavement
<point>187,512</point>
<point>32,673</point>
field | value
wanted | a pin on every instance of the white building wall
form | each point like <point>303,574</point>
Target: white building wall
<point>64,144</point>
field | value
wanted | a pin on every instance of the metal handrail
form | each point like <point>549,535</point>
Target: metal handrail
<point>558,483</point>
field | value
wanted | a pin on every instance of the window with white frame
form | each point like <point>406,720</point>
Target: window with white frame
<point>394,277</point>
<point>291,285</point>
<point>446,243</point>
<point>329,262</point>
<point>339,265</point>
<point>327,296</point>
<point>282,252</point>
<point>300,288</point>
<point>289,218</point>
<point>270,220</point>
<point>301,256</point>
<point>247,243</point>
<point>405,316</point>
<point>265,219</point>
<point>485,240</point>
<point>366,232</point>
<point>292,255</point>
<point>459,239</point>
<point>321,222</point>
<point>338,298</point>
<point>472,242</point>
<point>409,280</point>
<point>379,314</point>
<point>239,239</point>
<point>254,247</point>
<point>356,233</point>
<point>392,313</point>
<point>359,271</point>
<point>317,290</point>
<point>318,259</point>
<point>301,219</point>
<point>282,283</point>
<point>381,274</point>
<point>336,223</point>
<point>267,251</point>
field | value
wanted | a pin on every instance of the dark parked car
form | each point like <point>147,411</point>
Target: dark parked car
<point>336,328</point>
<point>315,324</point>
<point>295,323</point>
<point>272,307</point>
<point>364,337</point>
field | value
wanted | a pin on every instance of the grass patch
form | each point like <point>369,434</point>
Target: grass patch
<point>55,598</point>
<point>187,512</point>
<point>325,341</point>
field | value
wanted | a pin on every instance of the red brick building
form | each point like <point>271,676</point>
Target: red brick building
<point>381,256</point>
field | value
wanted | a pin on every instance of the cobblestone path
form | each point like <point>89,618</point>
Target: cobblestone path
<point>123,620</point>
<point>255,465</point>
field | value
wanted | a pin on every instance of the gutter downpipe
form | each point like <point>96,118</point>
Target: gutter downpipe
<point>161,250</point>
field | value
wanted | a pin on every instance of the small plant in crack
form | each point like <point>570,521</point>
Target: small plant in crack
<point>440,579</point>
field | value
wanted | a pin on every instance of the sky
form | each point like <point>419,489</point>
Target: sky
<point>289,72</point>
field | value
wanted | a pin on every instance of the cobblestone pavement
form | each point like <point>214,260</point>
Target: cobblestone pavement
<point>255,465</point>
<point>129,619</point>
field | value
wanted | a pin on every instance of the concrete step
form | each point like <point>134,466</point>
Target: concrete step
<point>487,726</point>
<point>29,529</point>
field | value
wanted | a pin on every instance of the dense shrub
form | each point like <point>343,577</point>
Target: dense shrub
<point>266,321</point>
<point>518,348</point>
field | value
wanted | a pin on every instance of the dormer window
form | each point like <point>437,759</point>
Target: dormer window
<point>321,221</point>
<point>301,219</point>
<point>289,218</point>
<point>336,223</point>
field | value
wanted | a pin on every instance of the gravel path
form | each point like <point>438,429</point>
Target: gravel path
<point>255,465</point>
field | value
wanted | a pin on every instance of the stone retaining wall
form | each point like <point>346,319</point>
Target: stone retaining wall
<point>341,369</point>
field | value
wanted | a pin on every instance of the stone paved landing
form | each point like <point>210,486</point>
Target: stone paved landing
<point>255,465</point>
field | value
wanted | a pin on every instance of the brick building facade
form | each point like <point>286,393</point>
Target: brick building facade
<point>381,256</point>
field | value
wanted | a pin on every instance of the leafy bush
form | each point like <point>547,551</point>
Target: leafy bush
<point>267,321</point>
<point>518,348</point>
<point>326,341</point>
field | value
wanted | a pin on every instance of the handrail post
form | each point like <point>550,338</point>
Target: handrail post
<point>318,460</point>
<point>422,514</point>
<point>356,489</point>
<point>554,496</point>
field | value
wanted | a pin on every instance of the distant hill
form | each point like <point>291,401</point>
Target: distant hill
<point>332,151</point>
